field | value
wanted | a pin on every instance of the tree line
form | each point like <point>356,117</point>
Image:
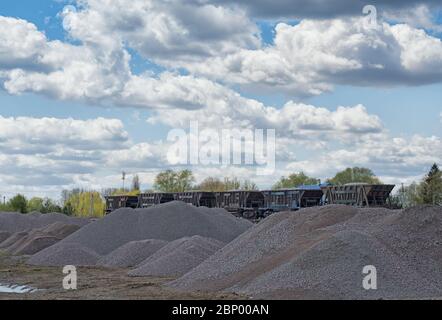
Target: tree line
<point>84,203</point>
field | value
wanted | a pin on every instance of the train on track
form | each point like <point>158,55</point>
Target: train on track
<point>260,204</point>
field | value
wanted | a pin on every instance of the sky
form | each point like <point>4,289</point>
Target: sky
<point>91,88</point>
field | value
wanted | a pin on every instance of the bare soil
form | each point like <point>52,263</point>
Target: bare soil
<point>94,283</point>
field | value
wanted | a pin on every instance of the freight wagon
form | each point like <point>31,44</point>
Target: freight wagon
<point>116,202</point>
<point>293,199</point>
<point>197,198</point>
<point>147,200</point>
<point>247,204</point>
<point>259,204</point>
<point>358,194</point>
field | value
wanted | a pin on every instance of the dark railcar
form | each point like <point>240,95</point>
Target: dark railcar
<point>358,194</point>
<point>197,198</point>
<point>147,200</point>
<point>292,199</point>
<point>117,202</point>
<point>242,203</point>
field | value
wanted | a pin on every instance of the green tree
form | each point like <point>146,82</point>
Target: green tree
<point>18,203</point>
<point>171,181</point>
<point>68,209</point>
<point>49,206</point>
<point>85,204</point>
<point>232,184</point>
<point>355,175</point>
<point>295,180</point>
<point>430,189</point>
<point>35,204</point>
<point>211,184</point>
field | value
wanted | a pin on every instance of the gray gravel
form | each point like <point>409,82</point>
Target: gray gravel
<point>16,222</point>
<point>4,235</point>
<point>178,257</point>
<point>319,253</point>
<point>65,254</point>
<point>35,240</point>
<point>167,222</point>
<point>131,254</point>
<point>15,237</point>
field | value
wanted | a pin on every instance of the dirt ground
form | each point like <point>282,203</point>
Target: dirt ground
<point>93,284</point>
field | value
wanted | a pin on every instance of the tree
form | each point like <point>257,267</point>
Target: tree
<point>171,181</point>
<point>50,206</point>
<point>248,185</point>
<point>184,180</point>
<point>85,204</point>
<point>430,189</point>
<point>406,196</point>
<point>211,185</point>
<point>355,175</point>
<point>68,209</point>
<point>231,184</point>
<point>136,183</point>
<point>35,204</point>
<point>18,203</point>
<point>295,180</point>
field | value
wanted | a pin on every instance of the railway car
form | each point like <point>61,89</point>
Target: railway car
<point>293,199</point>
<point>116,202</point>
<point>146,200</point>
<point>258,204</point>
<point>197,198</point>
<point>358,194</point>
<point>247,204</point>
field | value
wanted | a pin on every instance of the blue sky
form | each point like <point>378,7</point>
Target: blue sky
<point>190,65</point>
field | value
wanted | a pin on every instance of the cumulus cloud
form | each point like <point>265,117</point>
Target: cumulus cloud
<point>163,30</point>
<point>299,122</point>
<point>312,56</point>
<point>29,62</point>
<point>306,59</point>
<point>47,134</point>
<point>51,151</point>
<point>397,158</point>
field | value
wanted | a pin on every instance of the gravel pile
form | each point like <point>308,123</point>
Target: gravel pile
<point>178,257</point>
<point>65,254</point>
<point>34,244</point>
<point>16,222</point>
<point>319,253</point>
<point>168,222</point>
<point>131,254</point>
<point>14,238</point>
<point>35,240</point>
<point>4,235</point>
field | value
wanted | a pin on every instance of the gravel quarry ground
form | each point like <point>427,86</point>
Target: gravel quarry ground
<point>166,252</point>
<point>94,283</point>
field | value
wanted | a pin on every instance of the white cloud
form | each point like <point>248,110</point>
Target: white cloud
<point>311,57</point>
<point>24,133</point>
<point>398,159</point>
<point>51,151</point>
<point>163,30</point>
<point>295,121</point>
<point>24,52</point>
